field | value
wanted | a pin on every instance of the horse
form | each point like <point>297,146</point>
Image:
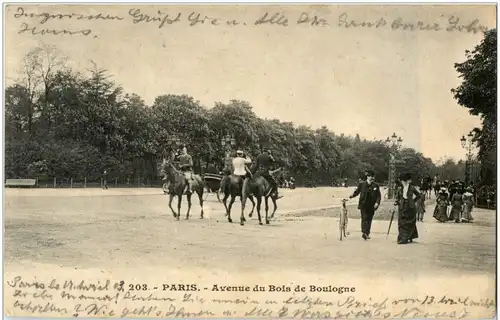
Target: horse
<point>177,187</point>
<point>258,187</point>
<point>231,186</point>
<point>436,186</point>
<point>426,187</point>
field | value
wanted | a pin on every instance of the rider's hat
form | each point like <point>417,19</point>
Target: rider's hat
<point>239,152</point>
<point>370,173</point>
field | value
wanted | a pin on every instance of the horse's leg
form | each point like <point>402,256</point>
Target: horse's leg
<point>275,206</point>
<point>233,198</point>
<point>200,196</point>
<point>224,201</point>
<point>253,206</point>
<point>259,202</point>
<point>170,198</point>
<point>243,198</point>
<point>266,202</point>
<point>179,206</point>
<point>189,205</point>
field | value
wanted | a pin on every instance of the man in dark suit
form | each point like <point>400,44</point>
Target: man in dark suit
<point>369,201</point>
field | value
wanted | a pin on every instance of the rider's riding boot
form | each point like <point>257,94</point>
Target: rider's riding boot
<point>275,187</point>
<point>189,187</point>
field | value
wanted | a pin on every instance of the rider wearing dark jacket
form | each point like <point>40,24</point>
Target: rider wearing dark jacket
<point>262,166</point>
<point>186,166</point>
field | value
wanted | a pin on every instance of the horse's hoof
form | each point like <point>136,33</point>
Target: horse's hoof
<point>250,215</point>
<point>267,221</point>
<point>230,220</point>
<point>175,216</point>
<point>242,223</point>
<point>260,223</point>
<point>201,217</point>
<point>243,219</point>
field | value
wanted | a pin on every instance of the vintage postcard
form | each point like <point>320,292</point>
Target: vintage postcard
<point>331,161</point>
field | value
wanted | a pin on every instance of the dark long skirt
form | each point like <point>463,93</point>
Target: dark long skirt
<point>407,224</point>
<point>441,212</point>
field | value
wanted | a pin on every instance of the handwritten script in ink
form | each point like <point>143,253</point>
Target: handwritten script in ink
<point>104,298</point>
<point>90,25</point>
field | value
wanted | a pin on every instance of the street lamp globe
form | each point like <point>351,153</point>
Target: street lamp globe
<point>394,138</point>
<point>463,141</point>
<point>400,142</point>
<point>470,136</point>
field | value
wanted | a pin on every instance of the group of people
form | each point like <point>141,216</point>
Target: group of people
<point>410,203</point>
<point>407,197</point>
<point>460,199</point>
<point>239,167</point>
<point>243,167</point>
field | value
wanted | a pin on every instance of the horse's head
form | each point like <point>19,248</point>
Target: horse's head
<point>278,174</point>
<point>168,166</point>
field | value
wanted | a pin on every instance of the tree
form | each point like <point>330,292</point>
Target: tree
<point>65,124</point>
<point>478,93</point>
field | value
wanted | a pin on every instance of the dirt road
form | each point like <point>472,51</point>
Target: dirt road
<point>119,231</point>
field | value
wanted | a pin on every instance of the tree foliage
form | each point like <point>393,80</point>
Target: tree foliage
<point>76,125</point>
<point>478,93</point>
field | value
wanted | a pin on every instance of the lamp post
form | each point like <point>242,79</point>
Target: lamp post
<point>468,145</point>
<point>393,143</point>
<point>228,142</point>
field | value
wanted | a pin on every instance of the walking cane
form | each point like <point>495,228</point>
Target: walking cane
<point>390,223</point>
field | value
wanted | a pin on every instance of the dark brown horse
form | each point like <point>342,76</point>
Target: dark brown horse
<point>258,187</point>
<point>177,187</point>
<point>231,186</point>
<point>426,187</point>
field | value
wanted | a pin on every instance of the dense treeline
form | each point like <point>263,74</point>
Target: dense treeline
<point>478,93</point>
<point>62,123</point>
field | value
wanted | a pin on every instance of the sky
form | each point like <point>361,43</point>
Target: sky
<point>353,79</point>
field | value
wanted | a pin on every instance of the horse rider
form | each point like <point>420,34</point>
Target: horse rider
<point>239,165</point>
<point>262,166</point>
<point>186,166</point>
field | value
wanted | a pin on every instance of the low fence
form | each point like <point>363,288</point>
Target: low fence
<point>137,182</point>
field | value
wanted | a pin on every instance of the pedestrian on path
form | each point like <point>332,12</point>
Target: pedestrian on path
<point>468,198</point>
<point>369,201</point>
<point>441,209</point>
<point>105,180</point>
<point>420,207</point>
<point>406,197</point>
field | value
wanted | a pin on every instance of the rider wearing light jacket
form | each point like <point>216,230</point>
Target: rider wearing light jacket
<point>239,164</point>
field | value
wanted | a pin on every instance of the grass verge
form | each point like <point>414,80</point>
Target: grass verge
<point>384,211</point>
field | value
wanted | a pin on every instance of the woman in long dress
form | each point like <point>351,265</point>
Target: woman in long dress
<point>420,208</point>
<point>406,196</point>
<point>468,199</point>
<point>441,209</point>
<point>456,206</point>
